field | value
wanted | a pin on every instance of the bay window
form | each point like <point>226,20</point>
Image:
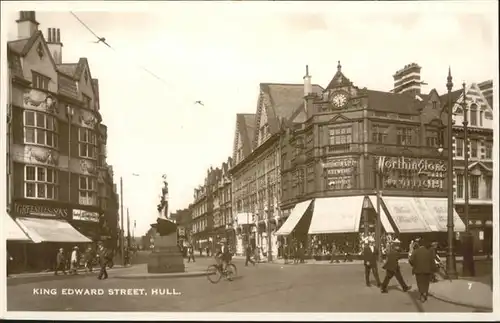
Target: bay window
<point>40,129</point>
<point>87,143</point>
<point>87,190</point>
<point>40,183</point>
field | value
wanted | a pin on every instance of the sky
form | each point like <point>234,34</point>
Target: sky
<point>219,52</point>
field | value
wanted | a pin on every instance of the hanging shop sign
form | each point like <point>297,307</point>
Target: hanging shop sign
<point>40,210</point>
<point>412,173</point>
<point>82,215</point>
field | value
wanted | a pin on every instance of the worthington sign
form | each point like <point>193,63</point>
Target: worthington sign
<point>418,165</point>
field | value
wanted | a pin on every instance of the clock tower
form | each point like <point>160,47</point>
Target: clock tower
<point>338,92</point>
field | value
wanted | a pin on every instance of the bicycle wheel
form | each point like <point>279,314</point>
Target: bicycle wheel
<point>213,274</point>
<point>231,272</point>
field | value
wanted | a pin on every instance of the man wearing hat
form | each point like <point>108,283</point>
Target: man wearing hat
<point>370,255</point>
<point>103,256</point>
<point>60,262</point>
<point>392,269</point>
<point>423,263</point>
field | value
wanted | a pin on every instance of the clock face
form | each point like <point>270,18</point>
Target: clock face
<point>339,100</point>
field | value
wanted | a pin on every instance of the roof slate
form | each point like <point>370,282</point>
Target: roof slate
<point>404,103</point>
<point>486,88</point>
<point>246,127</point>
<point>68,69</point>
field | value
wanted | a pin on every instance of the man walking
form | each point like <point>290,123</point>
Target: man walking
<point>370,256</point>
<point>190,253</point>
<point>60,262</point>
<point>249,255</point>
<point>103,261</point>
<point>392,269</point>
<point>74,261</point>
<point>422,261</point>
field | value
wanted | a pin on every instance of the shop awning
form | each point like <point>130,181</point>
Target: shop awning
<point>336,215</point>
<point>383,217</point>
<point>435,212</point>
<point>405,215</point>
<point>12,230</point>
<point>294,218</point>
<point>244,218</point>
<point>50,230</point>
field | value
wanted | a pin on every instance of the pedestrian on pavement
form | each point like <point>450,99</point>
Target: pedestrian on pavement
<point>333,253</point>
<point>190,253</point>
<point>392,268</point>
<point>74,261</point>
<point>423,263</point>
<point>207,250</point>
<point>370,255</point>
<point>88,258</point>
<point>60,262</point>
<point>103,261</point>
<point>248,255</point>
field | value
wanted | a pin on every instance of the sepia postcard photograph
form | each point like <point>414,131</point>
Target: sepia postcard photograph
<point>249,160</point>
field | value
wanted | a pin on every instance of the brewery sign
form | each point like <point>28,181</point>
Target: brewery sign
<point>339,171</point>
<point>40,210</point>
<point>412,173</point>
<point>82,215</point>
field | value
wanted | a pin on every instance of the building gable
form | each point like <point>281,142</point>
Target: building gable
<point>84,79</point>
<point>475,96</point>
<point>262,127</point>
<point>37,58</point>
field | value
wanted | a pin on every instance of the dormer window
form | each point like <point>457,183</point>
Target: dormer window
<point>473,115</point>
<point>434,104</point>
<point>86,77</point>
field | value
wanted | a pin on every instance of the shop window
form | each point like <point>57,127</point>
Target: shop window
<point>39,81</point>
<point>87,143</point>
<point>473,148</point>
<point>460,186</point>
<point>40,129</point>
<point>459,147</point>
<point>474,187</point>
<point>87,190</point>
<point>489,187</point>
<point>488,150</point>
<point>339,136</point>
<point>40,183</point>
<point>380,134</point>
<point>473,115</point>
<point>404,136</point>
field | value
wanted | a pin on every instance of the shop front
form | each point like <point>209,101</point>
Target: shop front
<point>480,226</point>
<point>47,224</point>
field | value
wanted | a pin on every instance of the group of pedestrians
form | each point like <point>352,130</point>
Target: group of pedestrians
<point>422,259</point>
<point>102,256</point>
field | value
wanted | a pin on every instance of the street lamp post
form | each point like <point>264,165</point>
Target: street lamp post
<point>122,223</point>
<point>378,224</point>
<point>451,266</point>
<point>468,269</point>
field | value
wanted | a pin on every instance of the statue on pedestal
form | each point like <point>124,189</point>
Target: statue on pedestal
<point>166,256</point>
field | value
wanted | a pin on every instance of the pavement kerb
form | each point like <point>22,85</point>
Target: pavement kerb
<point>81,272</point>
<point>443,297</point>
<point>161,275</point>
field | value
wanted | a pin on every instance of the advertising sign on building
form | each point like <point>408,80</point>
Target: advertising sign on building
<point>340,172</point>
<point>40,210</point>
<point>412,173</point>
<point>181,231</point>
<point>82,215</point>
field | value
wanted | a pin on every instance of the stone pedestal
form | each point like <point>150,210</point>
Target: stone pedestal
<point>166,257</point>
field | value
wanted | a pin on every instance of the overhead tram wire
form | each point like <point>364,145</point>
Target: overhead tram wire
<point>103,40</point>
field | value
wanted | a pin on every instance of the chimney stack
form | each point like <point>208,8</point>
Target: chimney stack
<point>54,43</point>
<point>26,24</point>
<point>407,79</point>
<point>307,82</point>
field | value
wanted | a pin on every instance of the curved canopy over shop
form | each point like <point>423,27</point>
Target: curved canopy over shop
<point>336,215</point>
<point>50,230</point>
<point>291,222</point>
<point>13,232</point>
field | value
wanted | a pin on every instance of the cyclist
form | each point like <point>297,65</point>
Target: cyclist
<point>223,257</point>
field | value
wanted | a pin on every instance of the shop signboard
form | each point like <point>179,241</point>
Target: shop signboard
<point>87,216</point>
<point>412,173</point>
<point>40,210</point>
<point>437,209</point>
<point>340,172</point>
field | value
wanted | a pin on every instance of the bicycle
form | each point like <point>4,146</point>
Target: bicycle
<point>215,272</point>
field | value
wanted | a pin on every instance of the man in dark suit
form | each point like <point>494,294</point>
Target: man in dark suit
<point>392,269</point>
<point>248,255</point>
<point>424,266</point>
<point>60,262</point>
<point>370,261</point>
<point>103,261</point>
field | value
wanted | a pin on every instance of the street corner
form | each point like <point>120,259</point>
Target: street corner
<point>464,292</point>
